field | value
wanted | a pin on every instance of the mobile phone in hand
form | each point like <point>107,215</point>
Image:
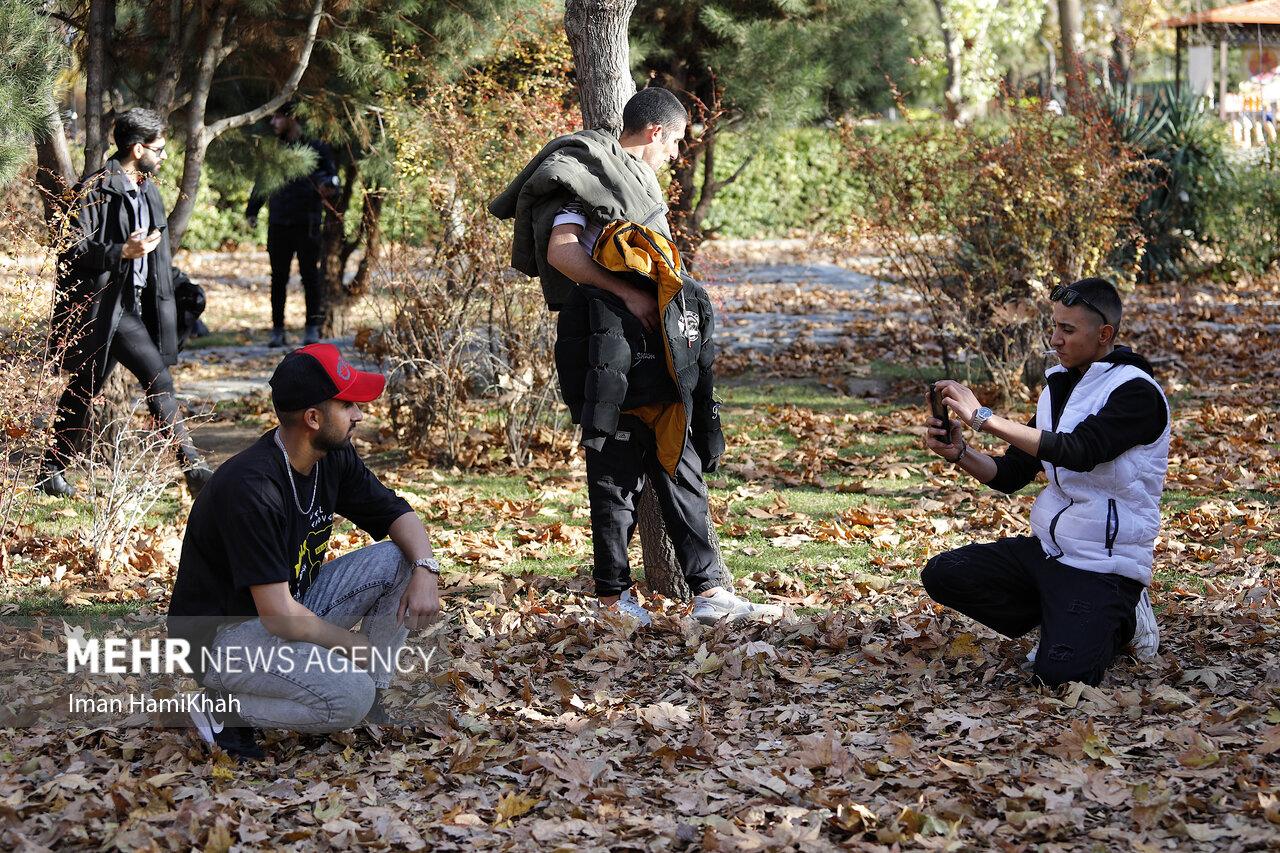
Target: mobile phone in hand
<point>939,408</point>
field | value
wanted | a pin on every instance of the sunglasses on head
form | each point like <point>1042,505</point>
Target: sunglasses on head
<point>1068,297</point>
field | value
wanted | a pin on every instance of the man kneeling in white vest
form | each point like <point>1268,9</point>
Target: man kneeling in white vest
<point>1101,435</point>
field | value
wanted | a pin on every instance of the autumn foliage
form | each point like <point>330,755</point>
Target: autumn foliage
<point>982,222</point>
<point>470,340</point>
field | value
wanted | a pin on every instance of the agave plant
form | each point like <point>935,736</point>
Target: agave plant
<point>1186,160</point>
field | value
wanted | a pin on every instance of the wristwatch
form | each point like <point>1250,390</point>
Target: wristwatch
<point>428,563</point>
<point>980,418</point>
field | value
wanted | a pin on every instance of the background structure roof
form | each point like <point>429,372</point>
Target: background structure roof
<point>1257,12</point>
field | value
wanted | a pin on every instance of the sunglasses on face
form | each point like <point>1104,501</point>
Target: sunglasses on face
<point>1068,297</point>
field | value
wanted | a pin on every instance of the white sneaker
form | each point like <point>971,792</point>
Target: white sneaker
<point>1146,635</point>
<point>710,609</point>
<point>628,606</point>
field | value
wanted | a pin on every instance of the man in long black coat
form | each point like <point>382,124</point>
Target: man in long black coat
<point>115,300</point>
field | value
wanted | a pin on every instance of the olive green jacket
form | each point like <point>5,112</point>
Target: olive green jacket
<point>589,166</point>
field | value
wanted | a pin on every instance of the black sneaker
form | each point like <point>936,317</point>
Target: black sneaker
<point>54,483</point>
<point>214,717</point>
<point>197,476</point>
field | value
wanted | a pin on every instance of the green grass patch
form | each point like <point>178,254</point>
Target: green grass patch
<point>24,611</point>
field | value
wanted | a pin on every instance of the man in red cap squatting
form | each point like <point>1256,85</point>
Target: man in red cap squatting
<point>268,620</point>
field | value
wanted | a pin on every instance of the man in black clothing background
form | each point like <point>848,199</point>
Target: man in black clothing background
<point>296,214</point>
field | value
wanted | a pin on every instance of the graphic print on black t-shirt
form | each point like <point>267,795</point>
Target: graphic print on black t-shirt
<point>247,530</point>
<point>311,553</point>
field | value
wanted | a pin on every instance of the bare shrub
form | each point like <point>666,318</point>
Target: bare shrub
<point>467,339</point>
<point>982,222</point>
<point>127,469</point>
<point>29,385</point>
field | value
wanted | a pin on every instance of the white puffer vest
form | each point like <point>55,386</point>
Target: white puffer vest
<point>1104,520</point>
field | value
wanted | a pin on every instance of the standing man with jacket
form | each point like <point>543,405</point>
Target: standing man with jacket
<point>1101,435</point>
<point>634,351</point>
<point>115,299</point>
<point>296,216</point>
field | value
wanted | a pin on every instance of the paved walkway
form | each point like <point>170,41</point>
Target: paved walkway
<point>249,367</point>
<point>771,332</point>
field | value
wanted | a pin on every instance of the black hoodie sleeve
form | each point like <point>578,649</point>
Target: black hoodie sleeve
<point>1134,414</point>
<point>1015,469</point>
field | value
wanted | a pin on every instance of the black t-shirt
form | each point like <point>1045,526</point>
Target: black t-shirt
<point>246,529</point>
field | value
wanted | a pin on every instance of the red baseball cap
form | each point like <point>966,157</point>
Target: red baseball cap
<point>313,374</point>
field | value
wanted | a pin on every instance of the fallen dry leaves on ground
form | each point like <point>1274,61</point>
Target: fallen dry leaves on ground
<point>880,724</point>
<point>869,721</point>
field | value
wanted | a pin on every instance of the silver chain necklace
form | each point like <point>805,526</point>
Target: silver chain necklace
<point>288,468</point>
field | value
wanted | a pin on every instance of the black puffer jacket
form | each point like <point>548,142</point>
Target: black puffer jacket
<point>609,366</point>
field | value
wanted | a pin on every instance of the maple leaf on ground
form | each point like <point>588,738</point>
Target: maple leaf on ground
<point>664,716</point>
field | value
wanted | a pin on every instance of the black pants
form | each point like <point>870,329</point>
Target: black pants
<point>615,476</point>
<point>1009,585</point>
<point>283,242</point>
<point>133,348</point>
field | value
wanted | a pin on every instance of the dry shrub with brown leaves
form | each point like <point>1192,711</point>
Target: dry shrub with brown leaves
<point>982,227</point>
<point>466,336</point>
<point>29,385</point>
<point>127,463</point>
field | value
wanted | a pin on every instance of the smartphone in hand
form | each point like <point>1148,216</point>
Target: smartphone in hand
<point>939,409</point>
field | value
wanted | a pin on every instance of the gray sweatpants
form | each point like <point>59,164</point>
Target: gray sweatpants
<point>308,688</point>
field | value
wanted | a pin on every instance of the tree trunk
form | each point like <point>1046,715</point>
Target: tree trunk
<point>597,31</point>
<point>55,173</point>
<point>1071,23</point>
<point>199,135</point>
<point>371,226</point>
<point>689,212</point>
<point>953,45</point>
<point>102,22</point>
<point>1122,45</point>
<point>182,36</point>
<point>336,250</point>
<point>661,571</point>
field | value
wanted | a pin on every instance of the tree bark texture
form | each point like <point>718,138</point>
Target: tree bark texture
<point>661,571</point>
<point>55,172</point>
<point>182,35</point>
<point>1071,23</point>
<point>198,137</point>
<point>597,31</point>
<point>99,33</point>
